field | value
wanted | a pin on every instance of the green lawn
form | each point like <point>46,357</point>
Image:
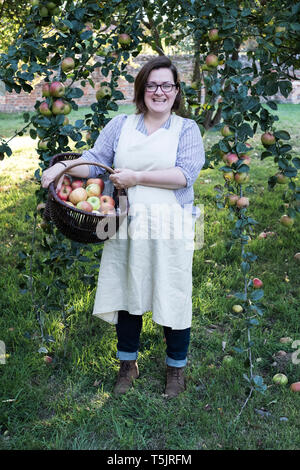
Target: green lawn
<point>69,404</point>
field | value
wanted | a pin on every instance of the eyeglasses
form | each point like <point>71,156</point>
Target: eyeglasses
<point>153,87</point>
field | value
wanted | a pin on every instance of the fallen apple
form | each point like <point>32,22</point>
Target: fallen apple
<point>48,359</point>
<point>280,379</point>
<point>95,202</point>
<point>297,256</point>
<point>84,206</point>
<point>257,283</point>
<point>227,359</point>
<point>237,309</point>
<point>286,221</point>
<point>93,190</point>
<point>285,340</point>
<point>295,387</point>
<point>262,235</point>
<point>77,195</point>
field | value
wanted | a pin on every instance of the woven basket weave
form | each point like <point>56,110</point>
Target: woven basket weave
<point>76,224</point>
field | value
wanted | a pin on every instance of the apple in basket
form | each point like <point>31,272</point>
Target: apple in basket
<point>77,184</point>
<point>67,181</point>
<point>93,190</point>
<point>94,201</point>
<point>96,181</point>
<point>77,195</point>
<point>84,206</point>
<point>64,192</point>
<point>107,205</point>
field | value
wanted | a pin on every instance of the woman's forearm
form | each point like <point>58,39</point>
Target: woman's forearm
<point>81,171</point>
<point>172,178</point>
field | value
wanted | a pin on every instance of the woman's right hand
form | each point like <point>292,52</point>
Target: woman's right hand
<point>50,175</point>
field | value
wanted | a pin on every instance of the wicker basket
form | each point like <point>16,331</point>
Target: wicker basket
<point>76,224</point>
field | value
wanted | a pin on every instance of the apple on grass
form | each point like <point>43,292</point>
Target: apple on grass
<point>78,195</point>
<point>257,283</point>
<point>286,220</point>
<point>64,192</point>
<point>237,309</point>
<point>295,387</point>
<point>98,181</point>
<point>84,206</point>
<point>95,202</point>
<point>280,379</point>
<point>93,190</point>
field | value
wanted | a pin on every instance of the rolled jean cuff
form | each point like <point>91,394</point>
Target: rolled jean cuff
<point>127,356</point>
<point>176,362</point>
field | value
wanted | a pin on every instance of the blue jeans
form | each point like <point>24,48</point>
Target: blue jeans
<point>128,332</point>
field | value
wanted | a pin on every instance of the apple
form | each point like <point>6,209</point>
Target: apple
<point>241,178</point>
<point>66,181</point>
<point>58,107</point>
<point>98,181</point>
<point>93,190</point>
<point>257,283</point>
<point>84,206</point>
<point>246,159</point>
<point>69,203</point>
<point>280,379</point>
<point>67,107</point>
<point>35,3</point>
<point>64,192</point>
<point>281,178</point>
<point>297,256</point>
<point>77,184</point>
<point>280,29</point>
<point>43,144</point>
<point>285,340</point>
<point>213,35</point>
<point>226,132</point>
<point>286,221</point>
<point>268,139</point>
<point>232,198</point>
<point>237,309</point>
<point>231,158</point>
<point>77,195</point>
<point>66,120</point>
<point>50,5</point>
<point>44,109</point>
<point>228,175</point>
<point>57,89</point>
<point>212,60</point>
<point>227,359</point>
<point>242,202</point>
<point>43,11</point>
<point>67,64</point>
<point>124,39</point>
<point>295,387</point>
<point>262,235</point>
<point>103,92</point>
<point>48,359</point>
<point>46,89</point>
<point>106,204</point>
<point>95,202</point>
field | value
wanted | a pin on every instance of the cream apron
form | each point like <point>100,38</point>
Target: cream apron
<point>148,266</point>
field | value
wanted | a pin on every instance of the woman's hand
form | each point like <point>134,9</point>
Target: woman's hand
<point>51,174</point>
<point>124,178</point>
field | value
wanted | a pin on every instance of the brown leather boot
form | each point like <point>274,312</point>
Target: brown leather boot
<point>127,373</point>
<point>175,381</point>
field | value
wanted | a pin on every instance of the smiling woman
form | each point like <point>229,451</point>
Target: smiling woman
<point>157,157</point>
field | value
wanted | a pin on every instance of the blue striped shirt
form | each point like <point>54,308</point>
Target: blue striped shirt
<point>190,156</point>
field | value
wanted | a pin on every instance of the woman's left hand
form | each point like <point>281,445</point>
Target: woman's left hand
<point>124,178</point>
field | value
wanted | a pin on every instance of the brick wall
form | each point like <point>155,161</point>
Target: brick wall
<point>10,102</point>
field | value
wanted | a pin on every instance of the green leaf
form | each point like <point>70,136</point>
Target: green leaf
<point>284,135</point>
<point>245,267</point>
<point>296,162</point>
<point>257,294</point>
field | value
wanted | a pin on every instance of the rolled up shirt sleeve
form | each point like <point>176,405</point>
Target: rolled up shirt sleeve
<point>104,148</point>
<point>190,153</point>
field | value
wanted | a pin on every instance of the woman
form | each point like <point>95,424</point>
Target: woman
<point>157,157</point>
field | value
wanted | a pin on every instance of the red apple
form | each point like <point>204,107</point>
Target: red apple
<point>77,195</point>
<point>295,387</point>
<point>64,192</point>
<point>107,204</point>
<point>124,39</point>
<point>77,184</point>
<point>67,181</point>
<point>46,89</point>
<point>232,199</point>
<point>93,190</point>
<point>212,60</point>
<point>286,221</point>
<point>246,159</point>
<point>48,359</point>
<point>213,35</point>
<point>67,64</point>
<point>57,89</point>
<point>241,178</point>
<point>262,235</point>
<point>242,202</point>
<point>268,139</point>
<point>98,181</point>
<point>231,158</point>
<point>58,107</point>
<point>44,109</point>
<point>84,206</point>
<point>257,283</point>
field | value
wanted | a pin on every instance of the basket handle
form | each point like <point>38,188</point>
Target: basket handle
<point>107,168</point>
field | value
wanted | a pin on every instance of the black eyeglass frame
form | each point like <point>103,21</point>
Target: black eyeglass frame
<point>160,86</point>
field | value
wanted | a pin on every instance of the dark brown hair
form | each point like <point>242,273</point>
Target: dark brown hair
<point>142,77</point>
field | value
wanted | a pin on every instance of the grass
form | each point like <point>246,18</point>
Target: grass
<point>69,404</point>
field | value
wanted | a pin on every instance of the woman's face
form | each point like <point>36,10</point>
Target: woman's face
<point>160,102</point>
